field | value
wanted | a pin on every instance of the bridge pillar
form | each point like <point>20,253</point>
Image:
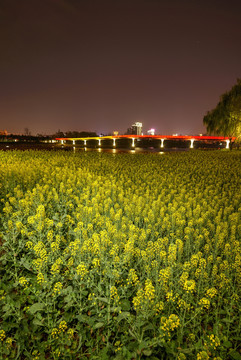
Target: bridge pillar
<point>133,142</point>
<point>227,144</point>
<point>162,143</point>
<point>191,145</point>
<point>73,142</point>
<point>113,142</point>
<point>84,142</point>
<point>99,143</point>
<point>62,141</point>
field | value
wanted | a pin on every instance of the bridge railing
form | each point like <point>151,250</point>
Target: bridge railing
<point>162,138</point>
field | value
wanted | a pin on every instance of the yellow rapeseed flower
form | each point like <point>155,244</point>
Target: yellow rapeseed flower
<point>2,335</point>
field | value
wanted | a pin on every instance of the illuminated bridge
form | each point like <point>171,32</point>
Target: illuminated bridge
<point>134,139</point>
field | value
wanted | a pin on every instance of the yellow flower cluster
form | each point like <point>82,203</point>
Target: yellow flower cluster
<point>62,326</point>
<point>163,231</point>
<point>35,355</point>
<point>96,262</point>
<point>70,333</point>
<point>138,300</point>
<point>183,305</point>
<point>61,329</point>
<point>82,270</point>
<point>169,324</point>
<point>202,356</point>
<point>29,244</point>
<point>212,341</point>
<point>55,268</point>
<point>38,264</point>
<point>211,293</point>
<point>57,288</point>
<point>164,276</point>
<point>204,303</point>
<point>40,278</point>
<point>9,342</point>
<point>40,251</point>
<point>2,335</point>
<point>55,333</point>
<point>170,296</point>
<point>159,306</point>
<point>189,286</point>
<point>23,282</point>
<point>114,294</point>
<point>149,291</point>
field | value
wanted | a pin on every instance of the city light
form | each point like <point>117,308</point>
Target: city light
<point>151,132</point>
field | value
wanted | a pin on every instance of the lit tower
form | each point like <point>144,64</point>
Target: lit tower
<point>137,128</point>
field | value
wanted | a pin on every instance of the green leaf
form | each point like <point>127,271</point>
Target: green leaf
<point>26,263</point>
<point>86,319</point>
<point>10,325</point>
<point>82,318</point>
<point>36,307</point>
<point>227,344</point>
<point>132,334</point>
<point>227,320</point>
<point>125,305</point>
<point>235,355</point>
<point>222,312</point>
<point>68,299</point>
<point>38,322</point>
<point>147,352</point>
<point>105,300</point>
<point>103,354</point>
<point>123,315</point>
<point>7,310</point>
<point>149,327</point>
<point>98,325</point>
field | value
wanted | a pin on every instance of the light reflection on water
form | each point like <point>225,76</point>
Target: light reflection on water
<point>76,149</point>
<point>129,151</point>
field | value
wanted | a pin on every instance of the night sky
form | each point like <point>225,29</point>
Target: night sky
<point>90,65</point>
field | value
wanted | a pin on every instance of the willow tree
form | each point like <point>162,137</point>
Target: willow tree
<point>225,118</point>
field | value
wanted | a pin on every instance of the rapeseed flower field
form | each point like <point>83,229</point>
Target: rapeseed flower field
<point>120,256</point>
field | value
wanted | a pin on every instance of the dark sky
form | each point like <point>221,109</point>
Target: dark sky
<point>102,65</point>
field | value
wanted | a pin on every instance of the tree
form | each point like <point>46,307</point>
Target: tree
<point>27,132</point>
<point>75,134</point>
<point>225,118</point>
<point>80,134</point>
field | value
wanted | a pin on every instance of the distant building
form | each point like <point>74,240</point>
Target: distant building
<point>115,133</point>
<point>135,129</point>
<point>151,132</point>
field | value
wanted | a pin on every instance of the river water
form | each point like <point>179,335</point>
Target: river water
<point>71,148</point>
<point>129,151</point>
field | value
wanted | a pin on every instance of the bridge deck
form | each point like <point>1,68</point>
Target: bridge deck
<point>165,137</point>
